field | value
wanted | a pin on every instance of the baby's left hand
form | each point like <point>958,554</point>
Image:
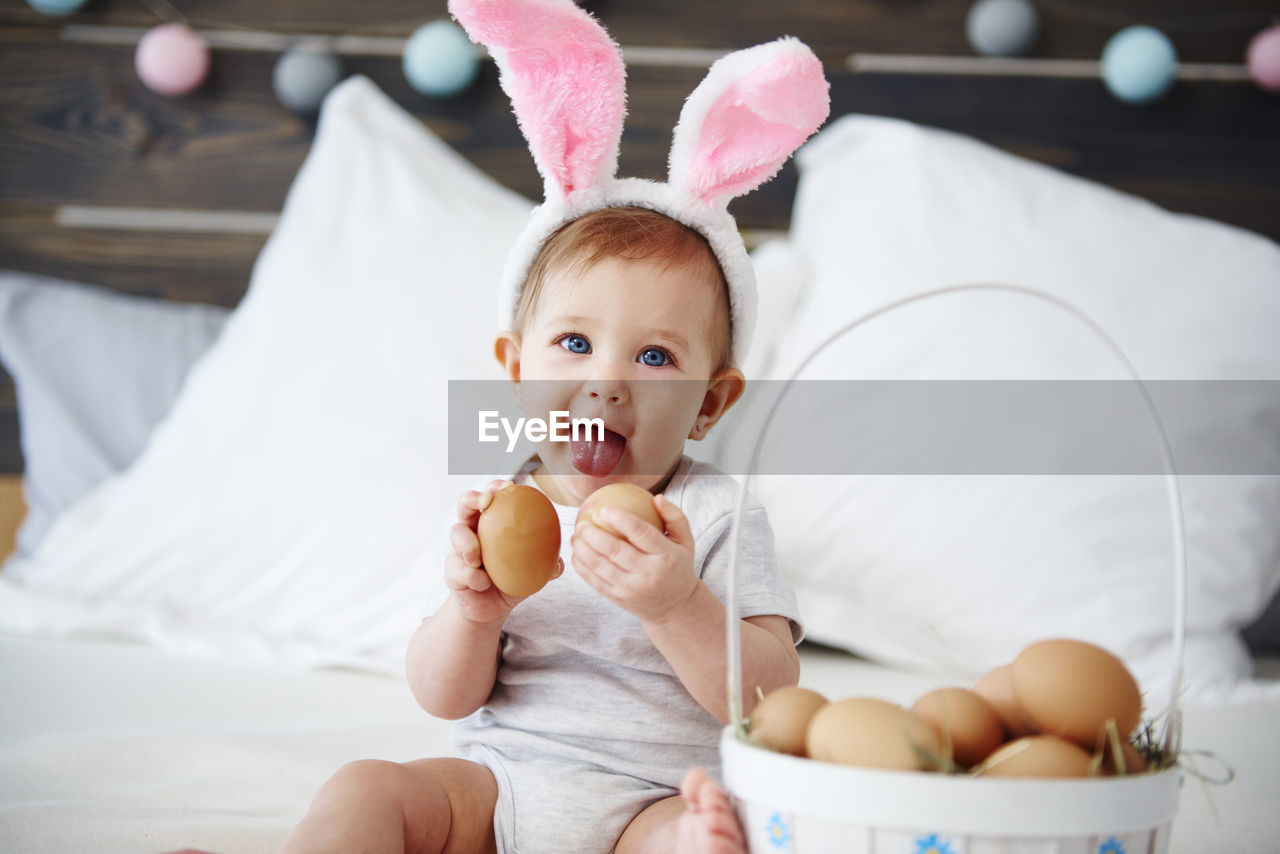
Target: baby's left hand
<point>642,571</point>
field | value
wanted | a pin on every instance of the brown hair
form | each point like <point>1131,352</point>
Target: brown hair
<point>629,234</point>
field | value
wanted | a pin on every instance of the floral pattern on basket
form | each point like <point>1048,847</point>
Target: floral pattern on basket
<point>933,844</point>
<point>779,832</point>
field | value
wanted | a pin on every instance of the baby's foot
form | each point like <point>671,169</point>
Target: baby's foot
<point>709,824</point>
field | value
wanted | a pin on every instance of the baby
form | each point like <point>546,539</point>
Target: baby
<point>585,703</point>
<point>583,706</point>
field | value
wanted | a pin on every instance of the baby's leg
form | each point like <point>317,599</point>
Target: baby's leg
<point>429,805</point>
<point>700,820</point>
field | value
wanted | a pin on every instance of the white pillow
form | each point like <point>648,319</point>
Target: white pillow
<point>291,505</point>
<point>959,572</point>
<point>95,370</point>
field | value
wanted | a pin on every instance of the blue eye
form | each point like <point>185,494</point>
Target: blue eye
<point>575,344</point>
<point>655,358</point>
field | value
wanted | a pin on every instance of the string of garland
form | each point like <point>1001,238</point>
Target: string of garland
<point>1139,63</point>
<point>173,58</point>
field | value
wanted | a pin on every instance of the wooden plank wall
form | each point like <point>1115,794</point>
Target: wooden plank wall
<point>78,129</point>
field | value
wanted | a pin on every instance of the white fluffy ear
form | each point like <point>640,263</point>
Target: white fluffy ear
<point>754,108</point>
<point>566,82</point>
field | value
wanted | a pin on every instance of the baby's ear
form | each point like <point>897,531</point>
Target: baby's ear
<point>724,390</point>
<point>506,349</point>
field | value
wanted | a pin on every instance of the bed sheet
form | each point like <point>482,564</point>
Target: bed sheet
<point>113,747</point>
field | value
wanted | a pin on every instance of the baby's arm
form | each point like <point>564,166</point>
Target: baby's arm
<point>452,659</point>
<point>652,576</point>
<point>452,662</point>
<point>692,638</point>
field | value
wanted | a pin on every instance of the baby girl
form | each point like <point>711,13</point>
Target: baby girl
<point>582,707</point>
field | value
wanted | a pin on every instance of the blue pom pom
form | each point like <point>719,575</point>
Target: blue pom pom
<point>439,60</point>
<point>1139,65</point>
<point>1002,27</point>
<point>56,8</point>
<point>303,76</point>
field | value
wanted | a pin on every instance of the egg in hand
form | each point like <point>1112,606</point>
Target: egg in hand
<point>519,533</point>
<point>634,499</point>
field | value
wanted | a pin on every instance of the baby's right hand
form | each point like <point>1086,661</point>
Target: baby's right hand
<point>464,572</point>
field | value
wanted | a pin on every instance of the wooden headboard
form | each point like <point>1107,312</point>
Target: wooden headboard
<point>12,511</point>
<point>83,139</point>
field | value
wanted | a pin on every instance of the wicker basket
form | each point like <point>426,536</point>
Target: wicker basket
<point>789,804</point>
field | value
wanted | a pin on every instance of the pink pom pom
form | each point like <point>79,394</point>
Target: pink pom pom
<point>1263,59</point>
<point>172,59</point>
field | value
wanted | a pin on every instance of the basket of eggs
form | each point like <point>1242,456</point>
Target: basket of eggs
<point>1049,753</point>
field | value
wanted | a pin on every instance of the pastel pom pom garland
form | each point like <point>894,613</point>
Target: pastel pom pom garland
<point>304,75</point>
<point>1139,65</point>
<point>172,59</point>
<point>1263,59</point>
<point>439,60</point>
<point>56,8</point>
<point>1002,27</point>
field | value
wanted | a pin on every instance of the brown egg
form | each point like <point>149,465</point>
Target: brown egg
<point>962,719</point>
<point>519,540</point>
<point>628,496</point>
<point>780,721</point>
<point>873,734</point>
<point>996,687</point>
<point>1071,688</point>
<point>1037,756</point>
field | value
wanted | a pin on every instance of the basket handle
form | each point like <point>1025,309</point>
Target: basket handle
<point>1171,737</point>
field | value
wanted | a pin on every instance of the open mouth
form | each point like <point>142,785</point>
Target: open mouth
<point>597,458</point>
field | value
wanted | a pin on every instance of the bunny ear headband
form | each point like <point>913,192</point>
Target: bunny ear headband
<point>566,81</point>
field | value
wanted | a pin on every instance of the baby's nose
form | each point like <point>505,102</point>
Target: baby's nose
<point>607,388</point>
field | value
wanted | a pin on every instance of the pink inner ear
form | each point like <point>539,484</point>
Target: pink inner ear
<point>566,82</point>
<point>572,128</point>
<point>756,124</point>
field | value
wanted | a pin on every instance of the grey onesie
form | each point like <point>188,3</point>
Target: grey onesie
<point>588,723</point>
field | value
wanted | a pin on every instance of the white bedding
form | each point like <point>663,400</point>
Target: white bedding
<point>116,747</point>
<point>107,745</point>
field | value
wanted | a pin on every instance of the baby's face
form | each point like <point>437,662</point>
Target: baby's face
<point>628,342</point>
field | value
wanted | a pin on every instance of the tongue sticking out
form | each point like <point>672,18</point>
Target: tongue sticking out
<point>597,458</point>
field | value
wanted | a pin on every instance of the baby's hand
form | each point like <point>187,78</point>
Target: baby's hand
<point>640,570</point>
<point>464,572</point>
